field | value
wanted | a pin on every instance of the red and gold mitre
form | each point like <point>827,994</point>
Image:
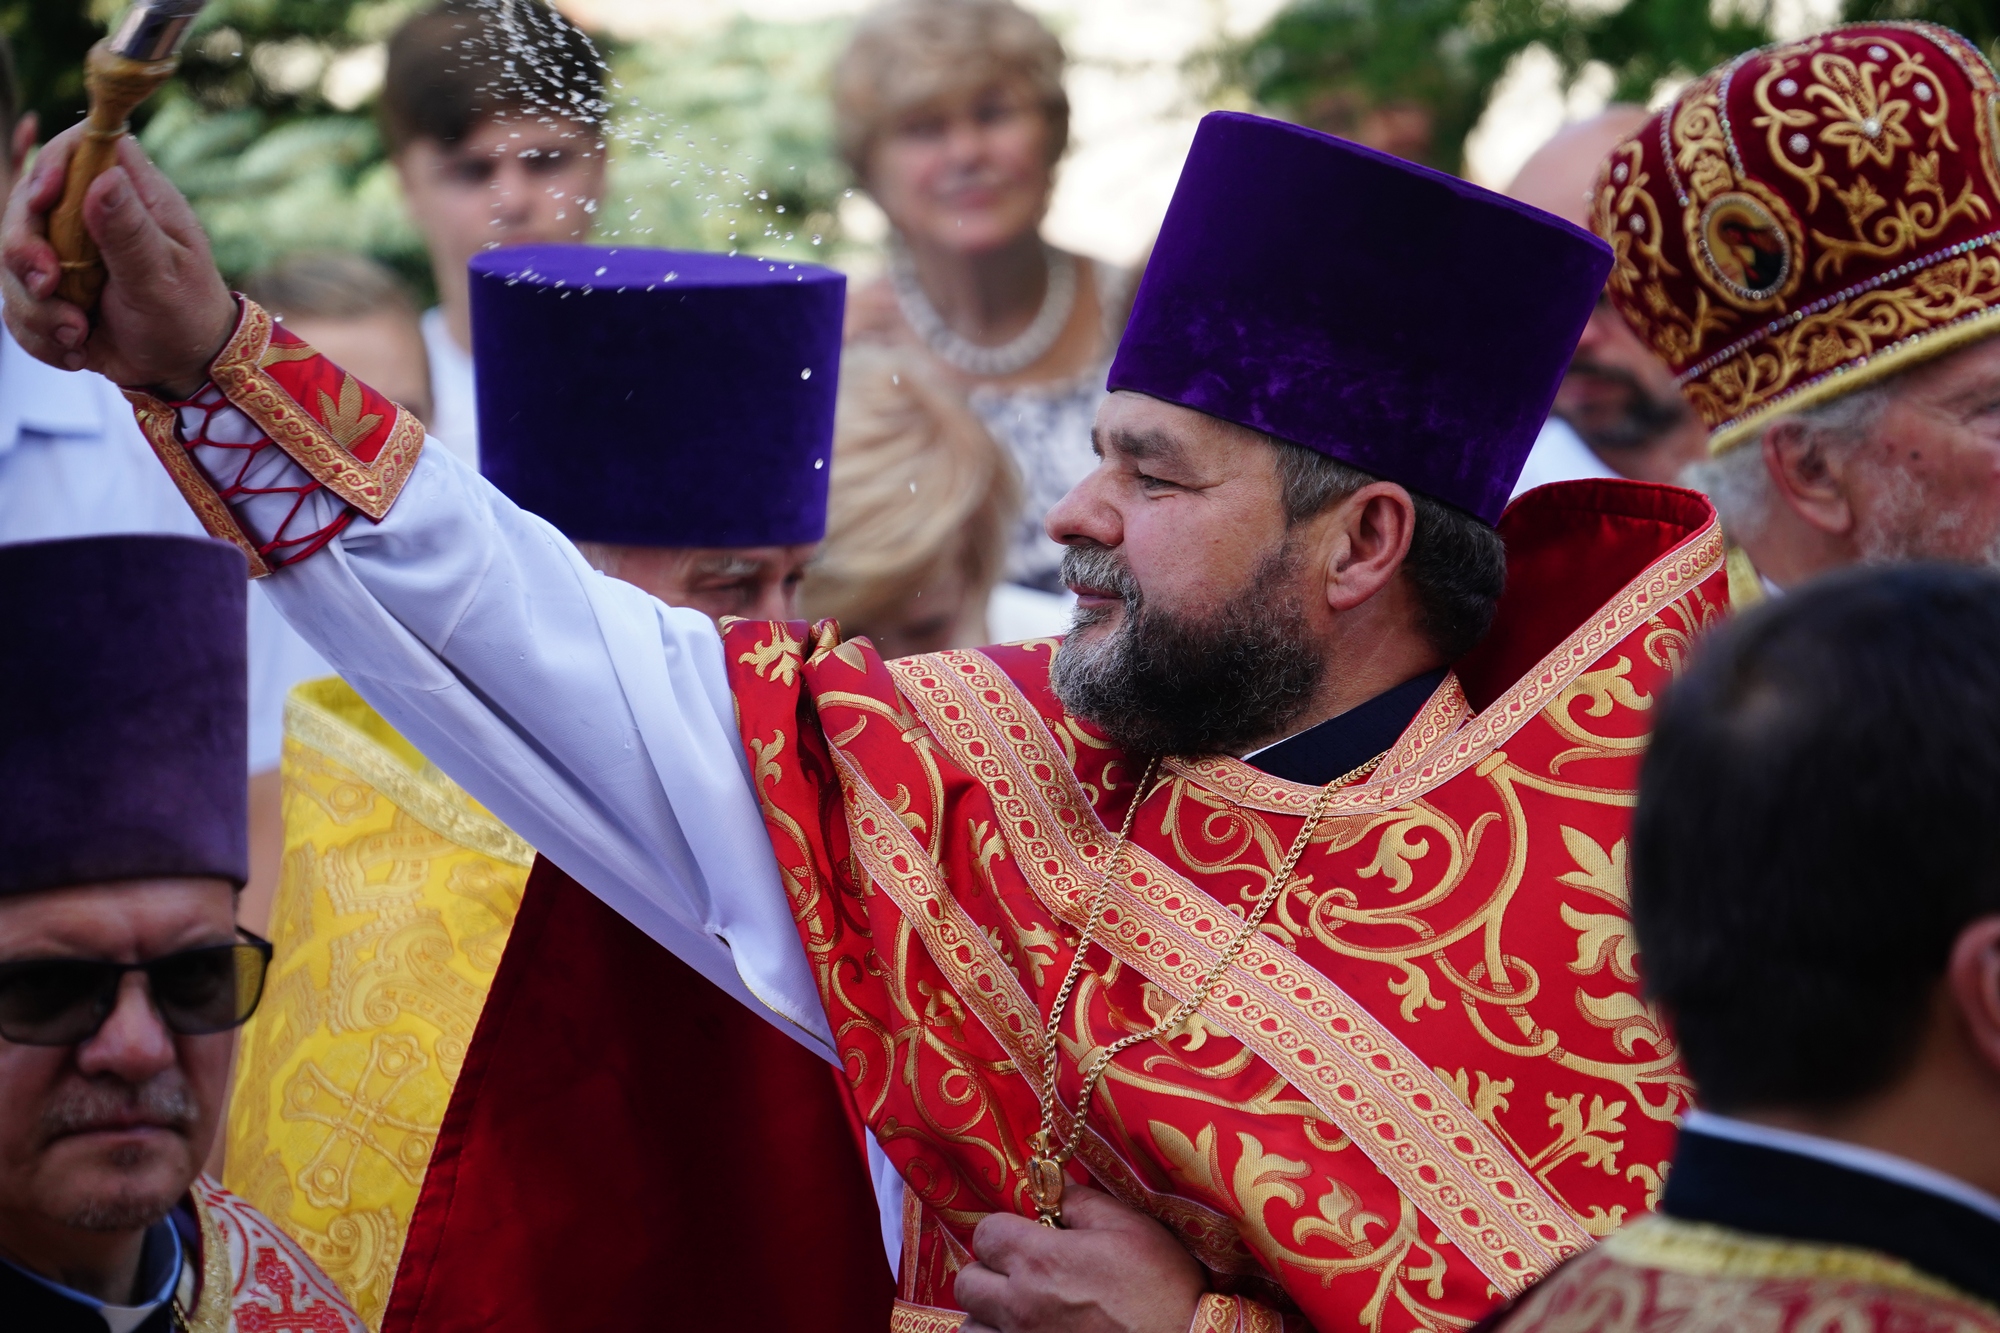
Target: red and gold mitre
<point>1808,218</point>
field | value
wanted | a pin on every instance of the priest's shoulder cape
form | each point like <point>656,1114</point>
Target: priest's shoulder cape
<point>1429,1079</point>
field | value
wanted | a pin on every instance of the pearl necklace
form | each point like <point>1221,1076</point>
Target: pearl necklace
<point>1009,358</point>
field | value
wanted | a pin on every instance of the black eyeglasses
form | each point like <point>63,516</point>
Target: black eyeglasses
<point>63,1001</point>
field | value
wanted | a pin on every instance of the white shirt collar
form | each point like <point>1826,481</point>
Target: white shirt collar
<point>1869,1161</point>
<point>162,1253</point>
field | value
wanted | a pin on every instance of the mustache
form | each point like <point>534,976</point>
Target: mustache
<point>1597,370</point>
<point>85,1105</point>
<point>1098,569</point>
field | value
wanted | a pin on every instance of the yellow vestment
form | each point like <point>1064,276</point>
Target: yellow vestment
<point>393,907</point>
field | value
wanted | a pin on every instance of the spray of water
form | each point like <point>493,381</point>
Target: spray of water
<point>766,184</point>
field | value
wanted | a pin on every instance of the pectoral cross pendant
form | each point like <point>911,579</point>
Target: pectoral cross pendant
<point>1045,1180</point>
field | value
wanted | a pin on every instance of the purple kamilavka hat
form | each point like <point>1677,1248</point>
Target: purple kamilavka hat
<point>1401,320</point>
<point>658,397</point>
<point>124,728</point>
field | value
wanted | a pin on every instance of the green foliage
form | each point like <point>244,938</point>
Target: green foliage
<point>49,38</point>
<point>726,142</point>
<point>1977,19</point>
<point>1327,62</point>
<point>716,143</point>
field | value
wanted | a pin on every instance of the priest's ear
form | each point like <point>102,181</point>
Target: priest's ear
<point>1373,529</point>
<point>1973,975</point>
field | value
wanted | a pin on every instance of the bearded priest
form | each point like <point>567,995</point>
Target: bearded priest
<point>1267,937</point>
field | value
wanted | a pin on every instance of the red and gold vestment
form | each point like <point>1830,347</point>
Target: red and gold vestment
<point>1429,1079</point>
<point>1665,1275</point>
<point>247,1276</point>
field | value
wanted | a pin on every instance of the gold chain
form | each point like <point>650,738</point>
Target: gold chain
<point>1045,1168</point>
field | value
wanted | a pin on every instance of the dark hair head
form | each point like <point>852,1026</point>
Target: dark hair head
<point>1457,565</point>
<point>461,63</point>
<point>1819,817</point>
<point>328,284</point>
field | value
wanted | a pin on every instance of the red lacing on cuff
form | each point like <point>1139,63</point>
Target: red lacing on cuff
<point>282,549</point>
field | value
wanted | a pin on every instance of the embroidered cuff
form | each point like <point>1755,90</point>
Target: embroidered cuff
<point>1234,1314</point>
<point>345,439</point>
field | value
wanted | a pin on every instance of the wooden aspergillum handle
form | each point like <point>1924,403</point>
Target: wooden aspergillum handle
<point>117,84</point>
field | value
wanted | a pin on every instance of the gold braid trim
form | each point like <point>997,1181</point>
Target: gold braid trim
<point>313,718</point>
<point>1856,374</point>
<point>1702,1249</point>
<point>161,427</point>
<point>215,1298</point>
<point>1234,1314</point>
<point>239,370</point>
<point>908,1317</point>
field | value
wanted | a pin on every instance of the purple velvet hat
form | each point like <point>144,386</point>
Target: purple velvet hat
<point>123,736</point>
<point>1392,317</point>
<point>658,397</point>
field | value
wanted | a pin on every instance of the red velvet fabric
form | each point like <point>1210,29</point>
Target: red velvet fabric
<point>629,1147</point>
<point>1550,593</point>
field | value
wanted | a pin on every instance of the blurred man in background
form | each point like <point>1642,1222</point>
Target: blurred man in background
<point>493,116</point>
<point>123,973</point>
<point>358,312</point>
<point>1618,413</point>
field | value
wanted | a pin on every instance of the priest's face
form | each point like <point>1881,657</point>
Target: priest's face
<point>758,582</point>
<point>100,1139</point>
<point>1923,482</point>
<point>1199,625</point>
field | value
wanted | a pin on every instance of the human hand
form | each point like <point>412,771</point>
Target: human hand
<point>1114,1270</point>
<point>165,312</point>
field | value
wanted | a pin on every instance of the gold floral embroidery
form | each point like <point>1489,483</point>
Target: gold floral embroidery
<point>1860,188</point>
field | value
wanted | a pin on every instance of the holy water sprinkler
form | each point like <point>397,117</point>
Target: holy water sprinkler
<point>120,72</point>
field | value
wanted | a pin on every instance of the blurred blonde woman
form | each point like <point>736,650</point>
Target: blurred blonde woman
<point>916,529</point>
<point>952,115</point>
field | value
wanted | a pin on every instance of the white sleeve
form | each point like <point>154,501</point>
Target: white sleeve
<point>594,720</point>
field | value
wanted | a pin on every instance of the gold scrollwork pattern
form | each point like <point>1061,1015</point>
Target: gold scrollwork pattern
<point>1664,1275</point>
<point>1431,1077</point>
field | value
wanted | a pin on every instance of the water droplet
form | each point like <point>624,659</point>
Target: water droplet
<point>818,463</point>
<point>806,374</point>
<point>600,272</point>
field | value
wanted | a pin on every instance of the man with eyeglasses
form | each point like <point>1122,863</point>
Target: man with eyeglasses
<point>123,842</point>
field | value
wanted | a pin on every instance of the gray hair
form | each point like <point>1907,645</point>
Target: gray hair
<point>1739,483</point>
<point>1457,565</point>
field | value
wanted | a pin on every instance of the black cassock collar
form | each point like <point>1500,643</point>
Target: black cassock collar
<point>1790,1196</point>
<point>1339,745</point>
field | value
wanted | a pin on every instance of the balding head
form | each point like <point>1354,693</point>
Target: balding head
<point>1557,179</point>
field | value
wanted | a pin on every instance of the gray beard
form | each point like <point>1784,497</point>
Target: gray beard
<point>1909,527</point>
<point>1170,684</point>
<point>87,1103</point>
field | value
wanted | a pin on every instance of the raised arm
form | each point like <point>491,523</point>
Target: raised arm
<point>594,720</point>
